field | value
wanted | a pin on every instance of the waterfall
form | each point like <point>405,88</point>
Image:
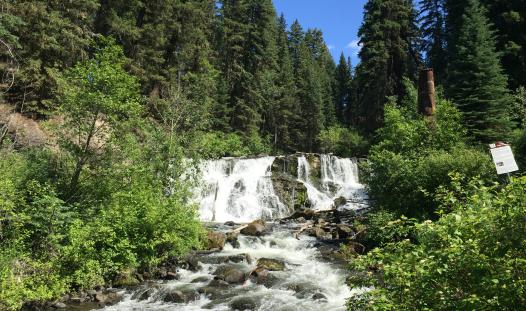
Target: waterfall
<point>238,190</point>
<point>241,190</point>
<point>338,178</point>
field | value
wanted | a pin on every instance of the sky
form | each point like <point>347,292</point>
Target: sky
<point>339,21</point>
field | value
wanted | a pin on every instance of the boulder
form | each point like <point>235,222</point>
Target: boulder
<point>107,298</point>
<point>231,237</point>
<point>170,276</point>
<point>255,228</point>
<point>339,202</point>
<point>176,296</point>
<point>230,223</point>
<point>271,264</point>
<point>244,303</point>
<point>59,305</point>
<point>344,231</point>
<point>230,274</point>
<point>216,240</point>
<point>319,296</point>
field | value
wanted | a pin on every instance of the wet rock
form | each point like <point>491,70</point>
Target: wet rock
<point>170,276</point>
<point>108,298</point>
<point>339,202</point>
<point>320,234</point>
<point>59,305</point>
<point>244,303</point>
<point>230,274</point>
<point>271,264</point>
<point>303,290</point>
<point>174,296</point>
<point>231,237</point>
<point>216,240</point>
<point>230,223</point>
<point>319,296</point>
<point>290,191</point>
<point>344,231</point>
<point>255,228</point>
<point>200,279</point>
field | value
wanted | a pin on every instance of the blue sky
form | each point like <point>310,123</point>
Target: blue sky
<point>338,19</point>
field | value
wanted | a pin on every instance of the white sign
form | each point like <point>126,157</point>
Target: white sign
<point>503,158</point>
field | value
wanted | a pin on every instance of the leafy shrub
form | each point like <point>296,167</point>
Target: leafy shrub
<point>215,145</point>
<point>415,156</point>
<point>473,258</point>
<point>343,142</point>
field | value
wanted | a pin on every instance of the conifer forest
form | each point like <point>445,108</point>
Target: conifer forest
<point>215,155</point>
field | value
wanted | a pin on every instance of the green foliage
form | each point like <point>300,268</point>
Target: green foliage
<point>214,145</point>
<point>415,155</point>
<point>387,34</point>
<point>471,259</point>
<point>476,82</point>
<point>343,142</point>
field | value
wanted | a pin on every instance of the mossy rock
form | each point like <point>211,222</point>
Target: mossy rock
<point>271,264</point>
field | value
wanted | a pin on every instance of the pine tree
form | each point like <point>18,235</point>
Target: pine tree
<point>343,88</point>
<point>432,25</point>
<point>387,56</point>
<point>324,69</point>
<point>54,34</point>
<point>509,18</point>
<point>296,37</point>
<point>476,83</point>
<point>281,116</point>
<point>310,95</point>
<point>248,60</point>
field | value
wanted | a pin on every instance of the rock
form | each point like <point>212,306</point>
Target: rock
<point>290,191</point>
<point>244,303</point>
<point>170,276</point>
<point>231,237</point>
<point>216,240</point>
<point>319,296</point>
<point>59,305</point>
<point>218,283</point>
<point>91,292</point>
<point>271,264</point>
<point>339,202</point>
<point>126,279</point>
<point>200,279</point>
<point>230,274</point>
<point>174,296</point>
<point>108,298</point>
<point>255,228</point>
<point>344,231</point>
<point>320,234</point>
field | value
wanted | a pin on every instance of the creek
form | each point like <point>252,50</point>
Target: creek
<point>306,275</point>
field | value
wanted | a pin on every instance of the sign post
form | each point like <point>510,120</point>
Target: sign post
<point>503,158</point>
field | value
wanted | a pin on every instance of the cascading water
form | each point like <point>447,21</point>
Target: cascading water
<point>242,190</point>
<point>338,178</point>
<point>238,190</point>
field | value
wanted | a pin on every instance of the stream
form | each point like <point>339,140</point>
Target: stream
<point>307,275</point>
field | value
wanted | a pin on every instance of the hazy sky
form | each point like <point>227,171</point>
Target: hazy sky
<point>338,19</point>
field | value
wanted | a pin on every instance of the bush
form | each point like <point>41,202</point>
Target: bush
<point>213,145</point>
<point>343,142</point>
<point>415,156</point>
<point>473,258</point>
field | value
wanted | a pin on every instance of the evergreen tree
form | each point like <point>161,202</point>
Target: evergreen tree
<point>343,88</point>
<point>324,69</point>
<point>281,117</point>
<point>296,37</point>
<point>476,83</point>
<point>387,56</point>
<point>432,25</point>
<point>248,60</point>
<point>509,19</point>
<point>54,34</point>
<point>310,95</point>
